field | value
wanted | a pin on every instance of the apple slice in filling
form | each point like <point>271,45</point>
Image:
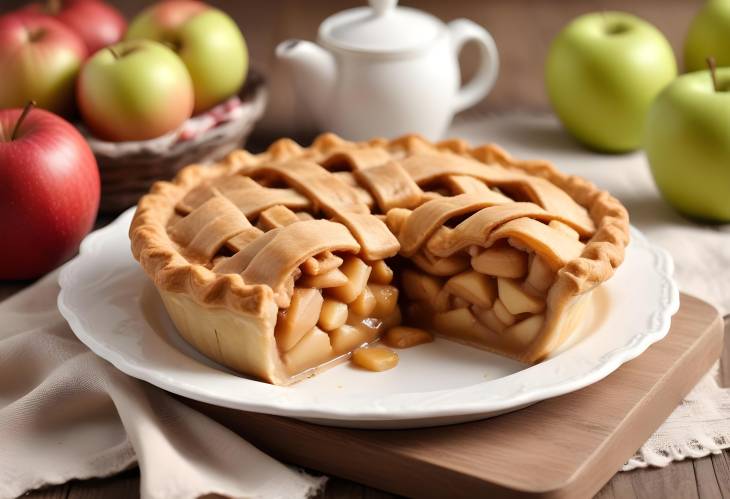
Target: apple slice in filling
<point>333,315</point>
<point>501,261</point>
<point>300,317</point>
<point>473,287</point>
<point>515,300</point>
<point>357,273</point>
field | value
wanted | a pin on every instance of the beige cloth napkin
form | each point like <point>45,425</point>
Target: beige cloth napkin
<point>65,413</point>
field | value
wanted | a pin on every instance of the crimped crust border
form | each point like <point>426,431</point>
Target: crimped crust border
<point>171,271</point>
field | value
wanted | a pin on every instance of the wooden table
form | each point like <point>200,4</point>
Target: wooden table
<point>701,478</point>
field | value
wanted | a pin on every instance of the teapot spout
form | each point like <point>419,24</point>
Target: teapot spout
<point>313,70</point>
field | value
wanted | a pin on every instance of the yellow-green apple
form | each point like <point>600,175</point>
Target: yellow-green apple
<point>96,22</point>
<point>134,90</point>
<point>603,71</point>
<point>208,41</point>
<point>688,144</point>
<point>39,60</point>
<point>709,35</point>
<point>49,194</point>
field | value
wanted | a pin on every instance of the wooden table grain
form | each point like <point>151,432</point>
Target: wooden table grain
<point>706,478</point>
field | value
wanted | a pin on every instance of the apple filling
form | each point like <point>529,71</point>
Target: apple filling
<point>335,309</point>
<point>498,302</point>
<point>375,358</point>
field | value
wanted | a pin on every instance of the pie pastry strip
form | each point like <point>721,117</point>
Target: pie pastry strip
<point>207,190</point>
<point>316,183</point>
<point>424,220</point>
<point>280,216</point>
<point>240,261</point>
<point>555,247</point>
<point>391,185</point>
<point>426,169</point>
<point>339,201</point>
<point>207,228</point>
<point>294,244</point>
<point>276,216</point>
<point>373,235</point>
<point>478,230</point>
<point>188,227</point>
<point>273,258</point>
<point>464,184</point>
<point>357,159</point>
<point>252,201</point>
<point>243,239</point>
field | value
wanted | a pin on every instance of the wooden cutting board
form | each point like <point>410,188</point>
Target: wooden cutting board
<point>561,448</point>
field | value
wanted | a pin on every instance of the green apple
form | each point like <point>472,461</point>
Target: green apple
<point>688,144</point>
<point>709,35</point>
<point>206,39</point>
<point>603,71</point>
<point>134,90</point>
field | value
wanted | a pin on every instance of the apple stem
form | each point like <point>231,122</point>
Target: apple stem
<point>114,52</point>
<point>713,72</point>
<point>30,105</point>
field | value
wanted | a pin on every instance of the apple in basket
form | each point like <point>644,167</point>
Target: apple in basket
<point>49,193</point>
<point>206,39</point>
<point>97,23</point>
<point>134,90</point>
<point>39,60</point>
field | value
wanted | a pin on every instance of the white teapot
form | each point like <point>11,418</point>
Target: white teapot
<point>386,70</point>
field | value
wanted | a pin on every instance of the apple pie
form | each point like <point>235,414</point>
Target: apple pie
<point>280,264</point>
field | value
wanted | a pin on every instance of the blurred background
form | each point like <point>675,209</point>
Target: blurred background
<point>522,29</point>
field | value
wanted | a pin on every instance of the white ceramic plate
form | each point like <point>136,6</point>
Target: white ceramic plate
<point>114,309</point>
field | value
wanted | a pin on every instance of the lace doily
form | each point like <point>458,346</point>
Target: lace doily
<point>698,427</point>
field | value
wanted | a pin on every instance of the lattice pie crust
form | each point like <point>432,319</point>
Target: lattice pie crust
<point>282,263</point>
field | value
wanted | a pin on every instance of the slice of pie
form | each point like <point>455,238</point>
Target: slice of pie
<point>280,264</point>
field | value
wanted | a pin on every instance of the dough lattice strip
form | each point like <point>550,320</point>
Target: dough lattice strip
<point>477,229</point>
<point>426,169</point>
<point>431,215</point>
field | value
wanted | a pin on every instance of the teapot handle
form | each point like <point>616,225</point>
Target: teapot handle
<point>463,31</point>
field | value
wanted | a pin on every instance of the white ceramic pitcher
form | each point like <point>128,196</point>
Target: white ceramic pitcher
<point>386,70</point>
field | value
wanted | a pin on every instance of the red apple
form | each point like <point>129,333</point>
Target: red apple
<point>49,194</point>
<point>39,60</point>
<point>96,22</point>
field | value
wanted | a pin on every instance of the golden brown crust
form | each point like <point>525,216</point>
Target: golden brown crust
<point>163,261</point>
<point>168,268</point>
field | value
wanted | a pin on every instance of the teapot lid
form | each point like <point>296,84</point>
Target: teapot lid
<point>381,27</point>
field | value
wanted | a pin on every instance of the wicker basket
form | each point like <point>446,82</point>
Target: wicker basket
<point>128,169</point>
